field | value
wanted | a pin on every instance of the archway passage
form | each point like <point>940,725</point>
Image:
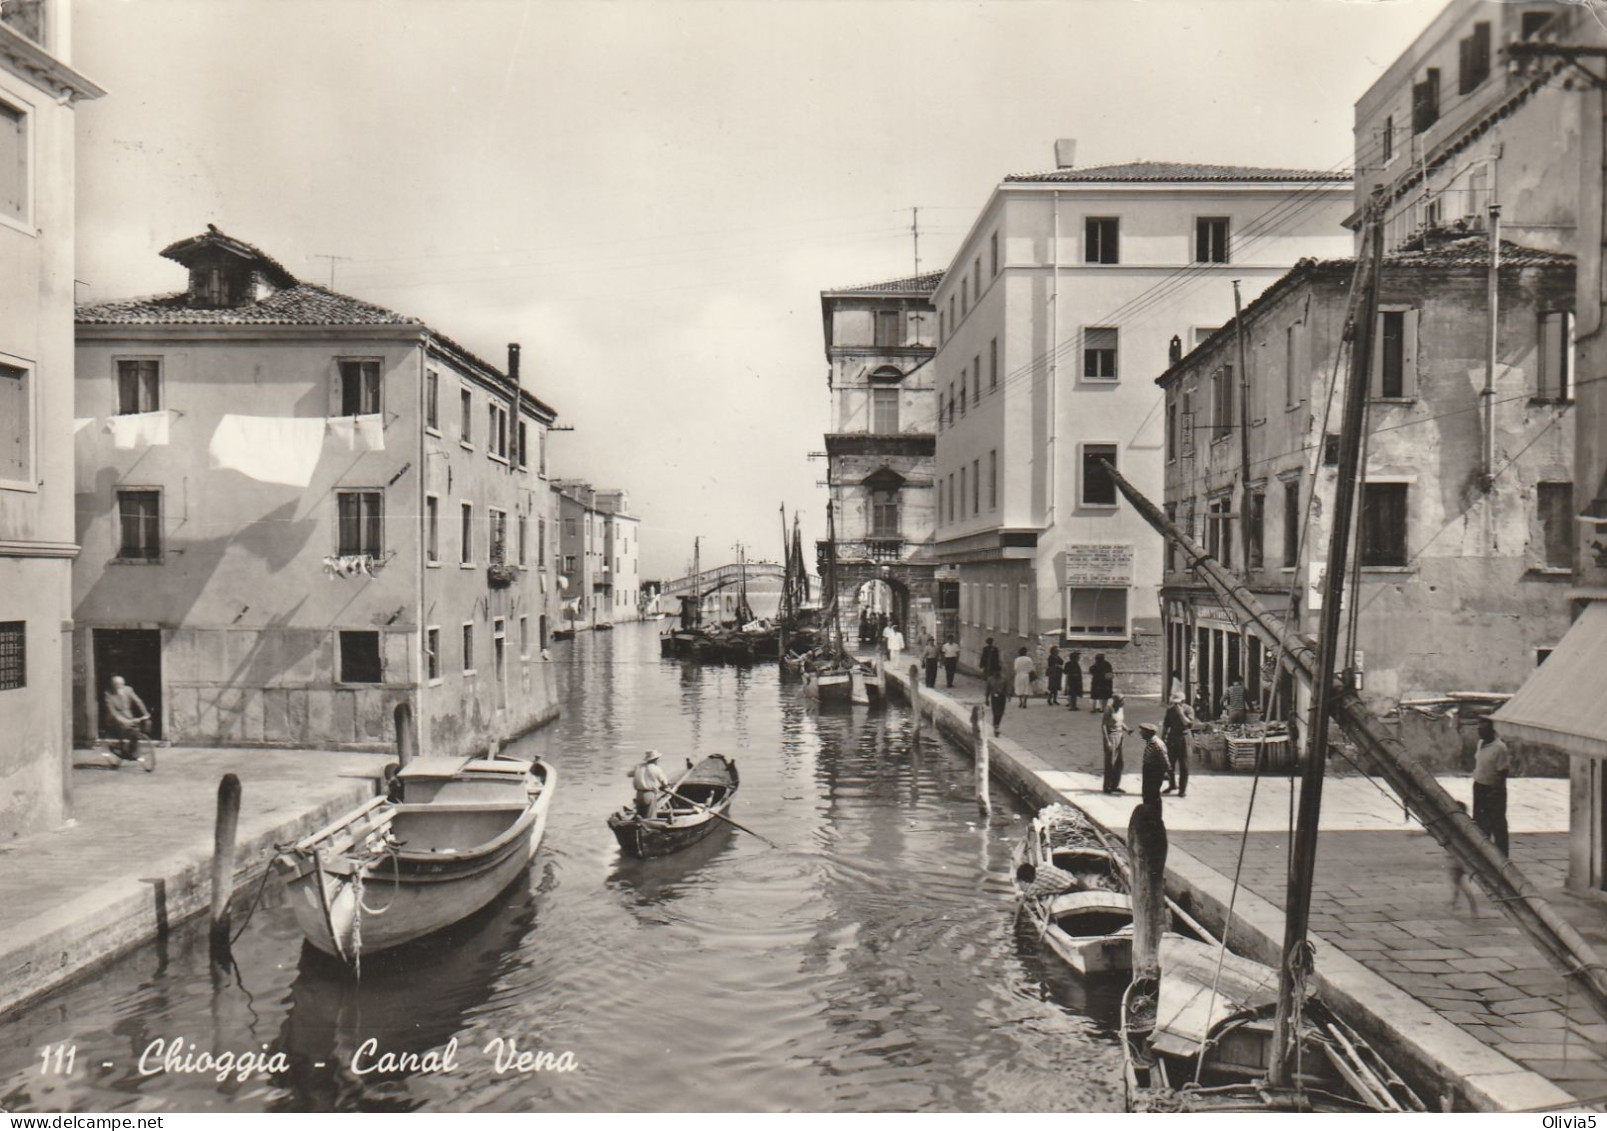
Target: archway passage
<point>878,603</point>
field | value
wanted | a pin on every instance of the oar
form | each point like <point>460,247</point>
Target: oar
<point>718,816</point>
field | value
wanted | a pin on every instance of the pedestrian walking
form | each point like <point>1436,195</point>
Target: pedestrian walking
<point>990,665</point>
<point>929,661</point>
<point>998,693</point>
<point>1023,675</point>
<point>1461,886</point>
<point>1492,765</point>
<point>1073,677</point>
<point>1154,768</point>
<point>1101,682</point>
<point>1236,701</point>
<point>1176,734</point>
<point>1112,729</point>
<point>1056,668</point>
<point>895,644</point>
<point>128,715</point>
<point>951,661</point>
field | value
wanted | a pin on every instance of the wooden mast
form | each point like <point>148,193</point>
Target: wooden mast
<point>786,588</point>
<point>1303,858</point>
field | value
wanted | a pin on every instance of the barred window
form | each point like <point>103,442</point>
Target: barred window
<point>13,655</point>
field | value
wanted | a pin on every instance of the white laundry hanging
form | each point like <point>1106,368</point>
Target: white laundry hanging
<point>269,449</point>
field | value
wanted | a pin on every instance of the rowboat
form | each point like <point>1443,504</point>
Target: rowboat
<point>392,871</point>
<point>706,790</point>
<point>1200,1039</point>
<point>1074,881</point>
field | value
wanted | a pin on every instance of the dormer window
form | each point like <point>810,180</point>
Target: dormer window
<point>210,286</point>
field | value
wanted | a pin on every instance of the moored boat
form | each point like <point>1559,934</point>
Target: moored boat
<point>706,790</point>
<point>391,871</point>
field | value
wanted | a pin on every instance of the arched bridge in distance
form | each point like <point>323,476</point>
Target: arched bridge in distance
<point>721,577</point>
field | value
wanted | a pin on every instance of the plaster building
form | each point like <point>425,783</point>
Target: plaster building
<point>1506,104</point>
<point>880,339</point>
<point>1063,302</point>
<point>599,555</point>
<point>1451,575</point>
<point>306,520</point>
<point>38,92</point>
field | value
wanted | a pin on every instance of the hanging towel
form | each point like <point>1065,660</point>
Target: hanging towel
<point>138,430</point>
<point>270,449</point>
<point>358,433</point>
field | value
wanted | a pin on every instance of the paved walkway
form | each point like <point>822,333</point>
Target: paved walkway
<point>136,856</point>
<point>1382,890</point>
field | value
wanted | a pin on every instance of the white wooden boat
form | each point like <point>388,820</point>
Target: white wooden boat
<point>1073,880</point>
<point>390,872</point>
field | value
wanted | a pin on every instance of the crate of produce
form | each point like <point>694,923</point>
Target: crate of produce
<point>1211,750</point>
<point>1269,752</point>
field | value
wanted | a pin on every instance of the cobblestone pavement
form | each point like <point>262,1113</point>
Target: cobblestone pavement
<point>1382,890</point>
<point>130,823</point>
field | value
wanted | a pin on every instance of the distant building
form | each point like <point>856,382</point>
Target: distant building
<point>306,520</point>
<point>1068,295</point>
<point>1449,576</point>
<point>880,339</point>
<point>599,552</point>
<point>38,91</point>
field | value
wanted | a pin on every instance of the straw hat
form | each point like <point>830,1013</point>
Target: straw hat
<point>651,756</point>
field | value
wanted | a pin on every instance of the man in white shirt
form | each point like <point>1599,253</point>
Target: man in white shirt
<point>1492,765</point>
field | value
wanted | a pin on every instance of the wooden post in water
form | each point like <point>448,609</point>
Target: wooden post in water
<point>1146,844</point>
<point>223,836</point>
<point>915,700</point>
<point>979,744</point>
<point>1146,840</point>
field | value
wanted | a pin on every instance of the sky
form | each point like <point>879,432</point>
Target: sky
<point>650,196</point>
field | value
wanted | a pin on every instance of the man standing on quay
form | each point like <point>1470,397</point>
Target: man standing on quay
<point>1492,765</point>
<point>991,664</point>
<point>951,661</point>
<point>1112,729</point>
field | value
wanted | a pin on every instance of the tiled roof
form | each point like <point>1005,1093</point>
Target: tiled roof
<point>922,284</point>
<point>305,304</point>
<point>1463,252</point>
<point>1178,172</point>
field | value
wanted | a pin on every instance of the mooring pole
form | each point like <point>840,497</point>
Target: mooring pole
<point>1146,840</point>
<point>915,700</point>
<point>979,743</point>
<point>223,836</point>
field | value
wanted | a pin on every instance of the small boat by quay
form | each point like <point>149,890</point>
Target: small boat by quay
<point>706,791</point>
<point>1074,882</point>
<point>392,871</point>
<point>603,626</point>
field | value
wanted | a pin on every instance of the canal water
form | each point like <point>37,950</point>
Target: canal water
<point>871,961</point>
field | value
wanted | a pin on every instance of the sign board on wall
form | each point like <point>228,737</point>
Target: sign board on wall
<point>1102,564</point>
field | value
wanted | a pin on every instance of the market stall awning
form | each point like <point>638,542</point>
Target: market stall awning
<point>1564,704</point>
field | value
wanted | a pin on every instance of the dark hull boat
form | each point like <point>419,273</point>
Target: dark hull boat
<point>673,824</point>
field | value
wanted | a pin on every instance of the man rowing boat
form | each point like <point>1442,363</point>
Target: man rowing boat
<point>648,780</point>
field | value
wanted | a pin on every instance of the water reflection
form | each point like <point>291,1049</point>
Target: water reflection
<point>869,962</point>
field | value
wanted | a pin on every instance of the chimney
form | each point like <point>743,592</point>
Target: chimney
<point>1065,152</point>
<point>1174,352</point>
<point>513,362</point>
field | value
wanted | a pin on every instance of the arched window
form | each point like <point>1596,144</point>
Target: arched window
<point>884,395</point>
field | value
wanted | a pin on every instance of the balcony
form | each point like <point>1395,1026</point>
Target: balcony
<point>871,549</point>
<point>500,573</point>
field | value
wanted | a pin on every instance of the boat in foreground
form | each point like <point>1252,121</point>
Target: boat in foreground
<point>392,871</point>
<point>706,790</point>
<point>1200,1039</point>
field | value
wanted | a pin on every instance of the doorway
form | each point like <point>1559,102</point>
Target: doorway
<point>136,655</point>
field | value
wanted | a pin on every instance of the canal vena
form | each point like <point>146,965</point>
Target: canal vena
<point>873,961</point>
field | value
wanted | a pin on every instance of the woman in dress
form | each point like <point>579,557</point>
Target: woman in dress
<point>1100,683</point>
<point>1023,670</point>
<point>1055,668</point>
<point>1073,678</point>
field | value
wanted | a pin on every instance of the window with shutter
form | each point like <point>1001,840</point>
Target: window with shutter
<point>139,516</point>
<point>360,519</point>
<point>1554,375</point>
<point>1383,524</point>
<point>138,385</point>
<point>359,388</point>
<point>1394,375</point>
<point>16,425</point>
<point>1555,504</point>
<point>14,173</point>
<point>1100,346</point>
